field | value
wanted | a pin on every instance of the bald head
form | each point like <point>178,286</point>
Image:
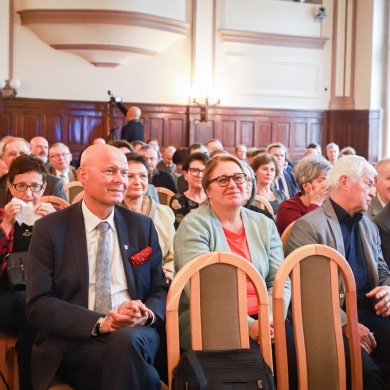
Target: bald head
<point>39,148</point>
<point>94,153</point>
<point>133,113</point>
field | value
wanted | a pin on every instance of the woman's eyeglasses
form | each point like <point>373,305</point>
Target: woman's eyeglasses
<point>22,187</point>
<point>195,171</point>
<point>223,180</point>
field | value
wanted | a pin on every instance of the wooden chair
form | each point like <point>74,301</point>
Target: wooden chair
<point>72,189</point>
<point>8,363</point>
<point>263,204</point>
<point>315,272</point>
<point>285,236</point>
<point>164,195</point>
<point>55,200</point>
<point>78,198</point>
<point>218,306</point>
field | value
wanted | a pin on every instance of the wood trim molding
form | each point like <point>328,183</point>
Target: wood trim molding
<point>94,16</point>
<point>91,46</point>
<point>257,38</point>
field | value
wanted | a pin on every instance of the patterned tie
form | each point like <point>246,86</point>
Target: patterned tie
<point>103,283</point>
<point>62,177</point>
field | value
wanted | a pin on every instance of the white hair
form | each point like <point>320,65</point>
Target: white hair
<point>354,167</point>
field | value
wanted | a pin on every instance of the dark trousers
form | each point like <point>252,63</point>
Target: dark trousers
<point>121,360</point>
<point>291,356</point>
<point>13,320</point>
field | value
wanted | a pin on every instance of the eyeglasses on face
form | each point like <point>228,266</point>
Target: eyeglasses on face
<point>223,180</point>
<point>15,154</point>
<point>22,187</point>
<point>195,171</point>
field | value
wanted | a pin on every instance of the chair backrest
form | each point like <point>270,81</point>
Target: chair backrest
<point>285,236</point>
<point>55,200</point>
<point>164,195</point>
<point>315,271</point>
<point>79,197</point>
<point>218,306</point>
<point>72,189</point>
<point>263,204</point>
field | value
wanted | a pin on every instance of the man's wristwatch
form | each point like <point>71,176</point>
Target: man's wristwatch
<point>97,330</point>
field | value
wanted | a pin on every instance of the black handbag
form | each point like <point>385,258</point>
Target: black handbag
<point>17,269</point>
<point>238,369</point>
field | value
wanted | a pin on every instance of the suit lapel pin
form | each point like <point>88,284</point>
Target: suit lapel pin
<point>126,247</point>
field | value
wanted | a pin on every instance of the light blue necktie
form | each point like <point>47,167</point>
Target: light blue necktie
<point>103,281</point>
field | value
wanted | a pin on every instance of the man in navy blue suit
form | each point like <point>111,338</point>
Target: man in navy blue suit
<point>89,348</point>
<point>286,181</point>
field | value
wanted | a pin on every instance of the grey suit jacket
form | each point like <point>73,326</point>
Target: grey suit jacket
<point>382,220</point>
<point>374,208</point>
<point>321,226</point>
<point>72,173</point>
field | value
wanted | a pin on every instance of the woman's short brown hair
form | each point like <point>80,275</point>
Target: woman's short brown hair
<point>213,163</point>
<point>263,159</point>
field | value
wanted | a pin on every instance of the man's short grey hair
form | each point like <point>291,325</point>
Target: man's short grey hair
<point>148,147</point>
<point>332,144</point>
<point>309,168</point>
<point>354,167</point>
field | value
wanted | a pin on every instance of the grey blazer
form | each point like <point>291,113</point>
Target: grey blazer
<point>321,226</point>
<point>374,208</point>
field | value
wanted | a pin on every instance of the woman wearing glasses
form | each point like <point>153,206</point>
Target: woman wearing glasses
<point>27,182</point>
<point>193,169</point>
<point>223,225</point>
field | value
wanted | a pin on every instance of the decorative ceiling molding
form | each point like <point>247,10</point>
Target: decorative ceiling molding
<point>104,37</point>
<point>257,38</point>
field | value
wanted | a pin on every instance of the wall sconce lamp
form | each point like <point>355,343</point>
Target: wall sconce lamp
<point>320,14</point>
<point>204,108</point>
<point>9,88</point>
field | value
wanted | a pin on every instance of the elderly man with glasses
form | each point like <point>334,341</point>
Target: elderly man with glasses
<point>60,158</point>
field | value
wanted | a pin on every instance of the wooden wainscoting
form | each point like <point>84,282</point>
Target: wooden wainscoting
<point>77,123</point>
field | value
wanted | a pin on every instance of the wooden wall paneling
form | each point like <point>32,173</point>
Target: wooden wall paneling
<point>156,129</point>
<point>228,134</point>
<point>281,132</point>
<point>5,124</point>
<point>29,125</point>
<point>247,133</point>
<point>52,124</point>
<point>176,133</point>
<point>264,133</point>
<point>203,131</point>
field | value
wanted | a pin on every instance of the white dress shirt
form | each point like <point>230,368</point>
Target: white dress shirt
<point>119,291</point>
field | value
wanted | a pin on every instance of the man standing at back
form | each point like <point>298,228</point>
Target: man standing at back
<point>134,129</point>
<point>97,286</point>
<point>340,224</point>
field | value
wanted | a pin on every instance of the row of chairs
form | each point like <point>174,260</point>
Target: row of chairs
<point>215,325</point>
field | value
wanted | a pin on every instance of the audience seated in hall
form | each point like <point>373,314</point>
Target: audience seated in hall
<point>340,224</point>
<point>194,196</point>
<point>311,175</point>
<point>347,151</point>
<point>178,159</point>
<point>285,180</point>
<point>13,148</point>
<point>126,148</point>
<point>316,146</point>
<point>154,142</point>
<point>332,152</point>
<point>158,178</point>
<point>166,164</point>
<point>240,152</point>
<point>39,147</point>
<point>214,144</point>
<point>27,182</point>
<point>251,191</point>
<point>137,200</point>
<point>382,185</point>
<point>267,169</point>
<point>60,158</point>
<point>222,224</point>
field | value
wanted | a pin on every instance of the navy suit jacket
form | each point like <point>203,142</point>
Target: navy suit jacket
<point>382,220</point>
<point>58,282</point>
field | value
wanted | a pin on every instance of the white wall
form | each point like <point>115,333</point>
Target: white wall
<point>245,74</point>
